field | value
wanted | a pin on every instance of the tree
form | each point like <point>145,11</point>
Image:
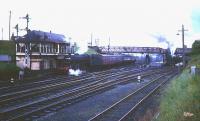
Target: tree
<point>196,47</point>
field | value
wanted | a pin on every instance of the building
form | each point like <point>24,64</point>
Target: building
<point>40,50</point>
<point>7,51</point>
<point>179,51</point>
<point>5,58</point>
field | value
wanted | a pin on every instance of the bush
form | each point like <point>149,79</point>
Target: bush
<point>8,71</point>
<point>196,47</point>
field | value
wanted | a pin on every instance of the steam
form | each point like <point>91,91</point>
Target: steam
<point>76,72</point>
<point>162,39</point>
<point>82,45</point>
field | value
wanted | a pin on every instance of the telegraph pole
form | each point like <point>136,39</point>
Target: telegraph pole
<point>109,45</point>
<point>9,24</point>
<point>91,39</point>
<point>183,37</point>
<point>2,32</point>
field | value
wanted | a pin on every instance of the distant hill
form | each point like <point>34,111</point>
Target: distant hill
<point>7,47</point>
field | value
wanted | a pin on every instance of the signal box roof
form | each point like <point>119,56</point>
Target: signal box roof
<point>40,36</point>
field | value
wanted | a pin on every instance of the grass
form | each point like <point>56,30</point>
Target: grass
<point>149,115</point>
<point>8,70</point>
<point>195,61</point>
<point>7,47</point>
<point>181,102</point>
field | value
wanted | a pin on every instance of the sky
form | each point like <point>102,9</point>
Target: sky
<point>142,23</point>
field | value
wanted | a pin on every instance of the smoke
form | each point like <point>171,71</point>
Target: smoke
<point>162,39</point>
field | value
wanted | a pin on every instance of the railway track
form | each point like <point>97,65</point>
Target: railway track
<point>57,100</point>
<point>6,98</point>
<point>58,79</point>
<point>121,110</point>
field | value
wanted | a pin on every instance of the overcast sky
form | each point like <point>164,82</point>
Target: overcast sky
<point>126,22</point>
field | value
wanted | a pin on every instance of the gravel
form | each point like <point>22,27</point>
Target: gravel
<point>89,107</point>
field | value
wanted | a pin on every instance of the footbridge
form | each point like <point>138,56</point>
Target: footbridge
<point>121,49</point>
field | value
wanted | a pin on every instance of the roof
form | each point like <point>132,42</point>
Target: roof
<point>43,36</point>
<point>180,51</point>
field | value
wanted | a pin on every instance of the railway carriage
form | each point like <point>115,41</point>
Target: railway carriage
<point>99,61</point>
